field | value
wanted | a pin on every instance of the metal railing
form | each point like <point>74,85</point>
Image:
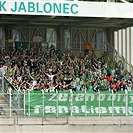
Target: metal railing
<point>87,103</point>
<point>67,103</point>
<point>14,98</point>
<point>13,95</point>
<point>78,103</point>
<point>118,57</point>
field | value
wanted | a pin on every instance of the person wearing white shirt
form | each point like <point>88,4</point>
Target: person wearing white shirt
<point>52,87</point>
<point>50,76</point>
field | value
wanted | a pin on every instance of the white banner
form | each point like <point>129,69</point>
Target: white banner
<point>67,8</point>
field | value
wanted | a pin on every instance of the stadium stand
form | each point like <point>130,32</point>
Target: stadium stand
<point>50,69</point>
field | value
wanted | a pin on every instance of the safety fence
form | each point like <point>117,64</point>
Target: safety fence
<point>67,103</point>
<point>118,60</point>
<point>12,95</point>
<point>84,103</point>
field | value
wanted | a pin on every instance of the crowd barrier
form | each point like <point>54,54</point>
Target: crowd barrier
<point>12,95</point>
<point>67,102</point>
<point>87,103</point>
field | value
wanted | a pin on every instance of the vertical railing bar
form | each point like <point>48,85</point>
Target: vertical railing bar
<point>112,103</point>
<point>43,103</point>
<point>24,102</point>
<point>71,114</point>
<point>85,102</point>
<point>127,103</point>
<point>28,102</point>
<point>57,114</point>
<point>10,102</point>
<point>18,101</point>
<point>99,103</point>
<point>126,95</point>
<point>2,84</point>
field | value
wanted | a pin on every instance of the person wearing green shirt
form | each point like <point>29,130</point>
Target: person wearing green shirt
<point>10,70</point>
<point>102,85</point>
<point>90,87</point>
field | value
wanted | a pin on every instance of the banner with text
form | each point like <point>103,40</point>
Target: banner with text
<point>67,8</point>
<point>78,104</point>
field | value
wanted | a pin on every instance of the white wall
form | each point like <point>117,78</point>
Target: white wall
<point>68,125</point>
<point>123,43</point>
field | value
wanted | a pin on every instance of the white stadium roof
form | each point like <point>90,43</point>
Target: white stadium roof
<point>66,14</point>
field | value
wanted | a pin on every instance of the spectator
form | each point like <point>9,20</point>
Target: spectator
<point>50,69</point>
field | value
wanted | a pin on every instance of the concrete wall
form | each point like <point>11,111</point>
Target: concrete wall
<point>66,125</point>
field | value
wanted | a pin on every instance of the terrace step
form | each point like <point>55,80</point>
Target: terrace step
<point>5,108</point>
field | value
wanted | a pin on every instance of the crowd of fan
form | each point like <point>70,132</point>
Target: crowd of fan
<point>50,69</point>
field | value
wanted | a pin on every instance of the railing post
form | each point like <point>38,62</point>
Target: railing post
<point>2,85</point>
<point>28,102</point>
<point>57,99</point>
<point>18,97</point>
<point>99,102</point>
<point>24,102</point>
<point>43,103</point>
<point>112,103</point>
<point>126,95</point>
<point>71,106</point>
<point>85,102</point>
<point>10,101</point>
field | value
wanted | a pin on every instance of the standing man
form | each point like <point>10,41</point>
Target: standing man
<point>86,48</point>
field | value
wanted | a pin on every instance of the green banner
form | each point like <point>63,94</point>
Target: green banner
<point>78,103</point>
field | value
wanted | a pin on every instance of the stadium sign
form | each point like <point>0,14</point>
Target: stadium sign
<point>79,104</point>
<point>39,7</point>
<point>67,8</point>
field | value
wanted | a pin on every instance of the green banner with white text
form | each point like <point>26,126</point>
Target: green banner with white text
<point>78,103</point>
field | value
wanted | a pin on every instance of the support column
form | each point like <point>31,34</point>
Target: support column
<point>110,40</point>
<point>128,41</point>
<point>8,35</point>
<point>116,39</point>
<point>124,43</point>
<point>116,46</point>
<point>120,42</point>
<point>124,48</point>
<point>60,33</point>
<point>131,44</point>
<point>125,54</point>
